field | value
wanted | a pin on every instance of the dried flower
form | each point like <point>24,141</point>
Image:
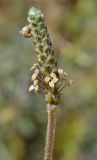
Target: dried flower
<point>26,32</point>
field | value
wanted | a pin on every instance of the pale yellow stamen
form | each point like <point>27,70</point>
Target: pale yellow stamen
<point>35,82</point>
<point>47,79</point>
<point>53,75</point>
<point>34,76</point>
<point>55,80</point>
<point>33,67</point>
<point>36,88</point>
<point>31,88</point>
<point>51,84</point>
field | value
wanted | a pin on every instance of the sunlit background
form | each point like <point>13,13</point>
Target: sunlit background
<point>73,27</point>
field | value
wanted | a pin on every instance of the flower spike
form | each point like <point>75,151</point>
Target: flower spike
<point>50,78</point>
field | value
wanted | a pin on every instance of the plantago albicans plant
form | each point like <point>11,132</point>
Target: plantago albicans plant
<point>47,79</point>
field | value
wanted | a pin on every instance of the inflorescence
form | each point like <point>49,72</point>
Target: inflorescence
<point>47,78</point>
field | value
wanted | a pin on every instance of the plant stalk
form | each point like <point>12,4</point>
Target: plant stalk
<point>50,135</point>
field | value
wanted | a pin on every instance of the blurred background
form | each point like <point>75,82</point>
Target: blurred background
<point>73,27</point>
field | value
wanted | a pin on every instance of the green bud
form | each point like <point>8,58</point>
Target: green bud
<point>48,98</point>
<point>52,99</point>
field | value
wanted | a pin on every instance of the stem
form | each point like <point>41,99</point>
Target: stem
<point>50,136</point>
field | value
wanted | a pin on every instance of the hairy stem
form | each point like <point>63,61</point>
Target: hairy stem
<point>50,136</point>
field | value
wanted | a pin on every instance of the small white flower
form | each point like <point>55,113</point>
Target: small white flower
<point>51,84</point>
<point>31,88</point>
<point>60,71</point>
<point>47,79</point>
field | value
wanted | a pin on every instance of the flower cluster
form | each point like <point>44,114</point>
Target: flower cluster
<point>47,78</point>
